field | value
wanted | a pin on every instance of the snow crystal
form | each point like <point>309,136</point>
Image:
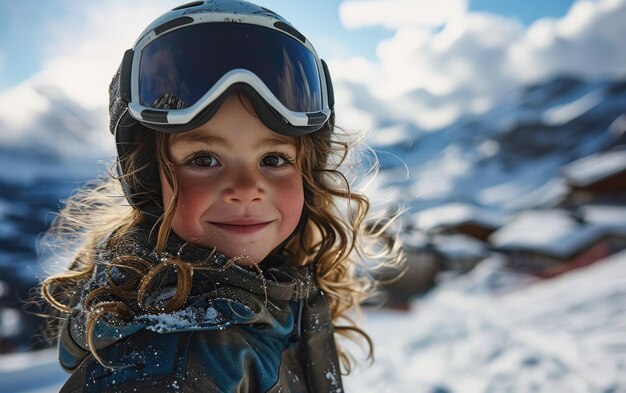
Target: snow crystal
<point>161,296</point>
<point>211,314</point>
<point>332,378</point>
<point>117,274</point>
<point>182,319</point>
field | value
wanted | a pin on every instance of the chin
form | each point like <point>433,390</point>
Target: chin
<point>236,253</point>
<point>245,260</point>
<point>240,256</point>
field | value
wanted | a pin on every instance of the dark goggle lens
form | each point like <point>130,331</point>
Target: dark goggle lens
<point>177,69</point>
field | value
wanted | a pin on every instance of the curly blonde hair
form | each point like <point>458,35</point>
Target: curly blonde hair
<point>334,238</point>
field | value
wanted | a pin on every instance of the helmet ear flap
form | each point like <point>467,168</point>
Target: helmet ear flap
<point>125,69</point>
<point>119,92</point>
<point>140,180</point>
<point>126,130</point>
<point>329,86</point>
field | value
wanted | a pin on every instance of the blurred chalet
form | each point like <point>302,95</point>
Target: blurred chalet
<point>596,179</point>
<point>459,218</point>
<point>550,242</point>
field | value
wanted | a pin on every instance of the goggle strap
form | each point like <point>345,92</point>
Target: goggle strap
<point>154,116</point>
<point>125,70</point>
<point>183,20</point>
<point>330,92</point>
<point>316,119</point>
<point>290,30</point>
<point>157,120</point>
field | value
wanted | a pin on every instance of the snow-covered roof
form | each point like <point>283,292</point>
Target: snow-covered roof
<point>610,216</point>
<point>457,246</point>
<point>454,214</point>
<point>551,232</point>
<point>595,167</point>
<point>460,247</point>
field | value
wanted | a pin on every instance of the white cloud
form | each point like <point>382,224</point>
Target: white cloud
<point>30,104</point>
<point>76,71</point>
<point>449,60</point>
<point>587,41</point>
<point>429,77</point>
<point>83,56</point>
<point>396,13</point>
<point>38,117</point>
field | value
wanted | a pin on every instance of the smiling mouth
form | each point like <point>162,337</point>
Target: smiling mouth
<point>241,228</point>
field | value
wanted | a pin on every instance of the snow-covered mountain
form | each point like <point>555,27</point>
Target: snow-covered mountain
<point>43,157</point>
<point>49,145</point>
<point>509,157</point>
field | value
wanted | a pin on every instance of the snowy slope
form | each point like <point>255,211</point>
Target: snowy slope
<point>489,331</point>
<point>562,335</point>
<point>31,372</point>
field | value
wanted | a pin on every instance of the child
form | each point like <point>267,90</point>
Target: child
<point>232,263</point>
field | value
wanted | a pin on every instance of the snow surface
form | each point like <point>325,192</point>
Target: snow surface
<point>488,331</point>
<point>562,335</point>
<point>31,372</point>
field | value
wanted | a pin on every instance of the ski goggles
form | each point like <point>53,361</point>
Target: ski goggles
<point>178,72</point>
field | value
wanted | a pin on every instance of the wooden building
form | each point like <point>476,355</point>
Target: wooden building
<point>549,242</point>
<point>459,218</point>
<point>596,179</point>
<point>426,257</point>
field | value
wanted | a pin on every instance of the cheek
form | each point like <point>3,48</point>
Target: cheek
<point>191,194</point>
<point>290,201</point>
<point>192,190</point>
<point>192,198</point>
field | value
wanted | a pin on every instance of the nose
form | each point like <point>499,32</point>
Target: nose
<point>244,188</point>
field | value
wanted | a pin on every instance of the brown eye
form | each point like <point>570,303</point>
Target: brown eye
<point>272,160</point>
<point>204,160</point>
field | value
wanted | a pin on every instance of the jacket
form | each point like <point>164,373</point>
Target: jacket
<point>239,331</point>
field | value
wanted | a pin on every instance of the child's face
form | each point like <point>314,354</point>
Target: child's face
<point>239,189</point>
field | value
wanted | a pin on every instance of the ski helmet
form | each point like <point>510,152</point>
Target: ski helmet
<point>186,62</point>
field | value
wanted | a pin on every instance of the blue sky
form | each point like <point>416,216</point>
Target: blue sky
<point>26,26</point>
